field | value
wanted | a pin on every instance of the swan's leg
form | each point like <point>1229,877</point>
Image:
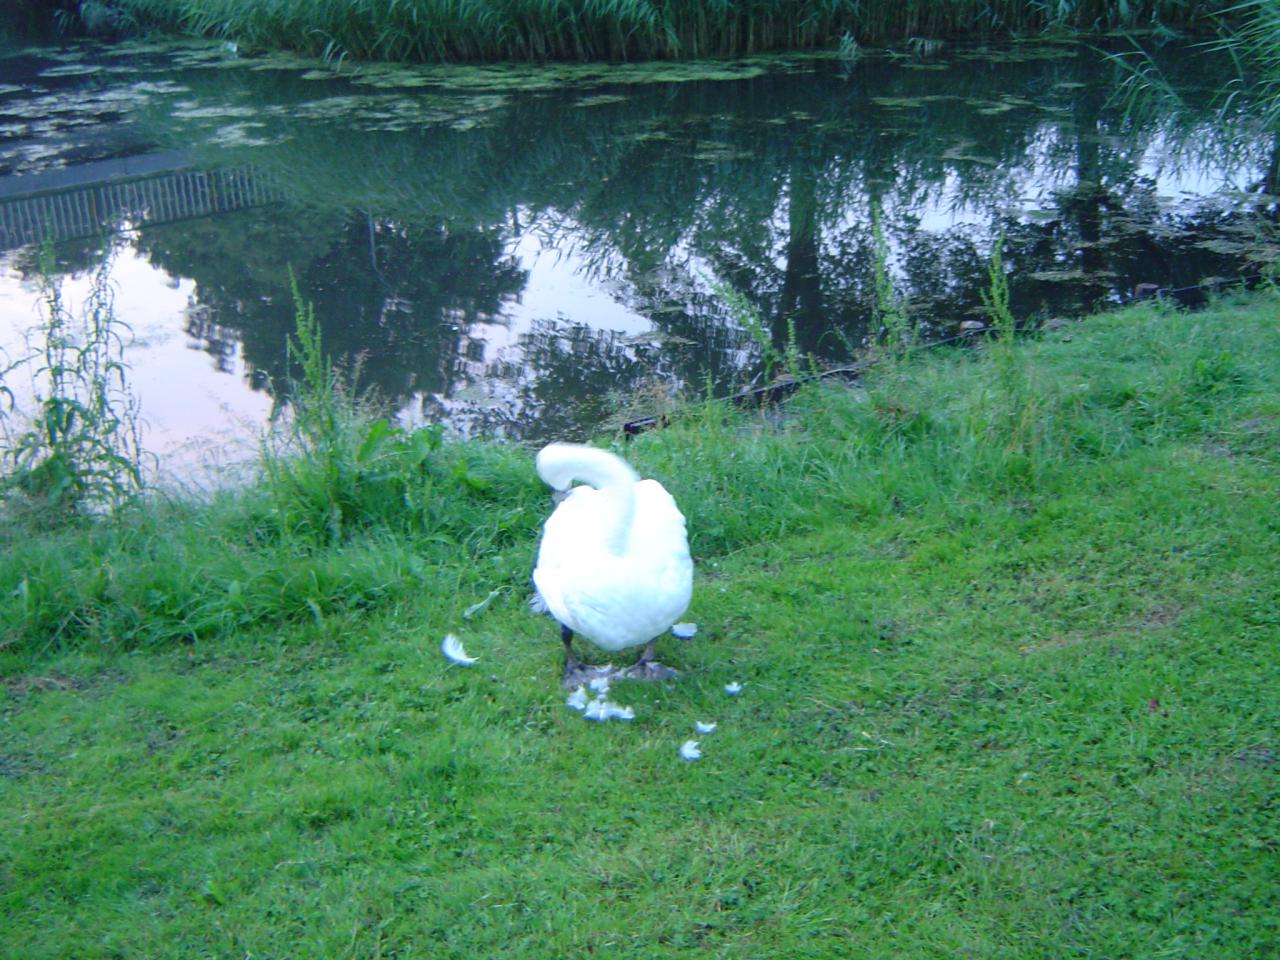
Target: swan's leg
<point>576,672</point>
<point>647,668</point>
<point>571,664</point>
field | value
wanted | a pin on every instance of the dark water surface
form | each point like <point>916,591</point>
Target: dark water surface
<point>525,252</point>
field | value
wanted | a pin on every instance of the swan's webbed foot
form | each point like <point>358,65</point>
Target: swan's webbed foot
<point>577,673</point>
<point>647,668</point>
<point>581,674</point>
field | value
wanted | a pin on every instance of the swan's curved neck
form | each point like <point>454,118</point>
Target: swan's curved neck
<point>559,464</point>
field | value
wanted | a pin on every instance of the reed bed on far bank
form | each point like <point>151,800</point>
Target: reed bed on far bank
<point>461,30</point>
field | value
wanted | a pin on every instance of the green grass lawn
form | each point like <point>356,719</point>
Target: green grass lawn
<point>1008,628</point>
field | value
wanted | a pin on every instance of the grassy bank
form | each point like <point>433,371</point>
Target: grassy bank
<point>1006,621</point>
<point>627,29</point>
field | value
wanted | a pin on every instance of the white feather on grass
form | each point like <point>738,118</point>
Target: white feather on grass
<point>599,684</point>
<point>451,647</point>
<point>689,750</point>
<point>704,727</point>
<point>733,689</point>
<point>603,710</point>
<point>684,631</point>
<point>578,699</point>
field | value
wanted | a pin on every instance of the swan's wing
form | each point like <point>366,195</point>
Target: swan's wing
<point>560,548</point>
<point>659,526</point>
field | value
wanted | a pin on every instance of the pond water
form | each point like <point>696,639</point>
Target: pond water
<point>533,252</point>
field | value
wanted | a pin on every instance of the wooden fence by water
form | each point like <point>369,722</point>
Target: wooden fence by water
<point>90,201</point>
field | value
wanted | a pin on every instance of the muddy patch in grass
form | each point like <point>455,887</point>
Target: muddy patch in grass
<point>24,685</point>
<point>14,766</point>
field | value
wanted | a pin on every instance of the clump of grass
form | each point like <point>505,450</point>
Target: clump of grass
<point>80,450</point>
<point>996,297</point>
<point>316,463</point>
<point>847,49</point>
<point>338,468</point>
<point>1013,412</point>
<point>1003,326</point>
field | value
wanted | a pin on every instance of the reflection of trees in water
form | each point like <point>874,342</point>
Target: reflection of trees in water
<point>396,300</point>
<point>769,184</point>
<point>781,202</point>
<point>562,380</point>
<point>221,344</point>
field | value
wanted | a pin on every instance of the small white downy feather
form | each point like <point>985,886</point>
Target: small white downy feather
<point>602,710</point>
<point>578,699</point>
<point>689,750</point>
<point>704,727</point>
<point>684,631</point>
<point>733,689</point>
<point>451,647</point>
<point>599,684</point>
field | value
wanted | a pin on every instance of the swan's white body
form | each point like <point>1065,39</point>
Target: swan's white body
<point>614,561</point>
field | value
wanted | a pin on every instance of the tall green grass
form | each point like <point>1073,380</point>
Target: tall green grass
<point>923,430</point>
<point>1256,44</point>
<point>349,510</point>
<point>622,29</point>
<point>894,328</point>
<point>354,513</point>
<point>1249,33</point>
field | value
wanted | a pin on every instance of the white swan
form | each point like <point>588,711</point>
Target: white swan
<point>614,560</point>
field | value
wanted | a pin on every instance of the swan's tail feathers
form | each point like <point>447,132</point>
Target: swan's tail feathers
<point>537,604</point>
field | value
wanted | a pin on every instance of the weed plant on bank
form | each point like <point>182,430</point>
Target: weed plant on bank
<point>435,30</point>
<point>1006,635</point>
<point>78,451</point>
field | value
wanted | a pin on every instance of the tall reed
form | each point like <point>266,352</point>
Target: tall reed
<point>895,327</point>
<point>774,357</point>
<point>1256,43</point>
